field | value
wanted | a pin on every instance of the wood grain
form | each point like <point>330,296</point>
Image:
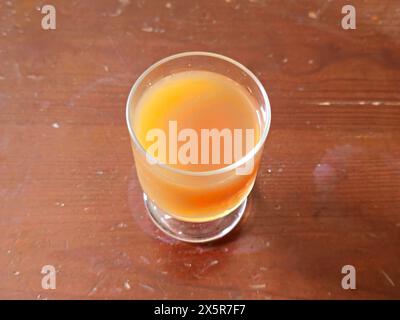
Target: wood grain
<point>328,190</point>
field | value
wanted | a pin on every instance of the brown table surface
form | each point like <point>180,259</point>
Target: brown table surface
<point>327,193</point>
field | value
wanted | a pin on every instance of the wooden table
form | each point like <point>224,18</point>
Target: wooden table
<point>328,190</point>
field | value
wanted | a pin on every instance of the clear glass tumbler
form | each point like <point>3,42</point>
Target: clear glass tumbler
<point>216,199</point>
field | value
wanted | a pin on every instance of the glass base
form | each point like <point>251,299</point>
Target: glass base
<point>194,232</point>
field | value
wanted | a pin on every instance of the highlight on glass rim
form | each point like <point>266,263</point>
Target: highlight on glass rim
<point>200,158</point>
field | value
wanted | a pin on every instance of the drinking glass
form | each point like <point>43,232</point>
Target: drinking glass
<point>215,199</point>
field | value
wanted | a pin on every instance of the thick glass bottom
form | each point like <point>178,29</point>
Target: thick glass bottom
<point>194,232</point>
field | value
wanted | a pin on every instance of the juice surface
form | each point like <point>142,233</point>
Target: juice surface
<point>196,100</point>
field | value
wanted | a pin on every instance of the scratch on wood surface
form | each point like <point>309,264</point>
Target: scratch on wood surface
<point>258,286</point>
<point>147,29</point>
<point>350,102</point>
<point>150,29</point>
<point>34,77</point>
<point>127,286</point>
<point>96,285</point>
<point>114,47</point>
<point>388,278</point>
<point>147,287</point>
<point>313,14</point>
<point>260,2</point>
<point>120,225</point>
<point>122,4</point>
<point>17,71</point>
<point>88,88</point>
<point>317,13</point>
<point>209,265</point>
<point>144,260</point>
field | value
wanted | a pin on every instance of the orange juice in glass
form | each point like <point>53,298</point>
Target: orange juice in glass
<point>198,122</point>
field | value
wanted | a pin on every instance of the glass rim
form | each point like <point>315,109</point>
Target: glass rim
<point>227,168</point>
